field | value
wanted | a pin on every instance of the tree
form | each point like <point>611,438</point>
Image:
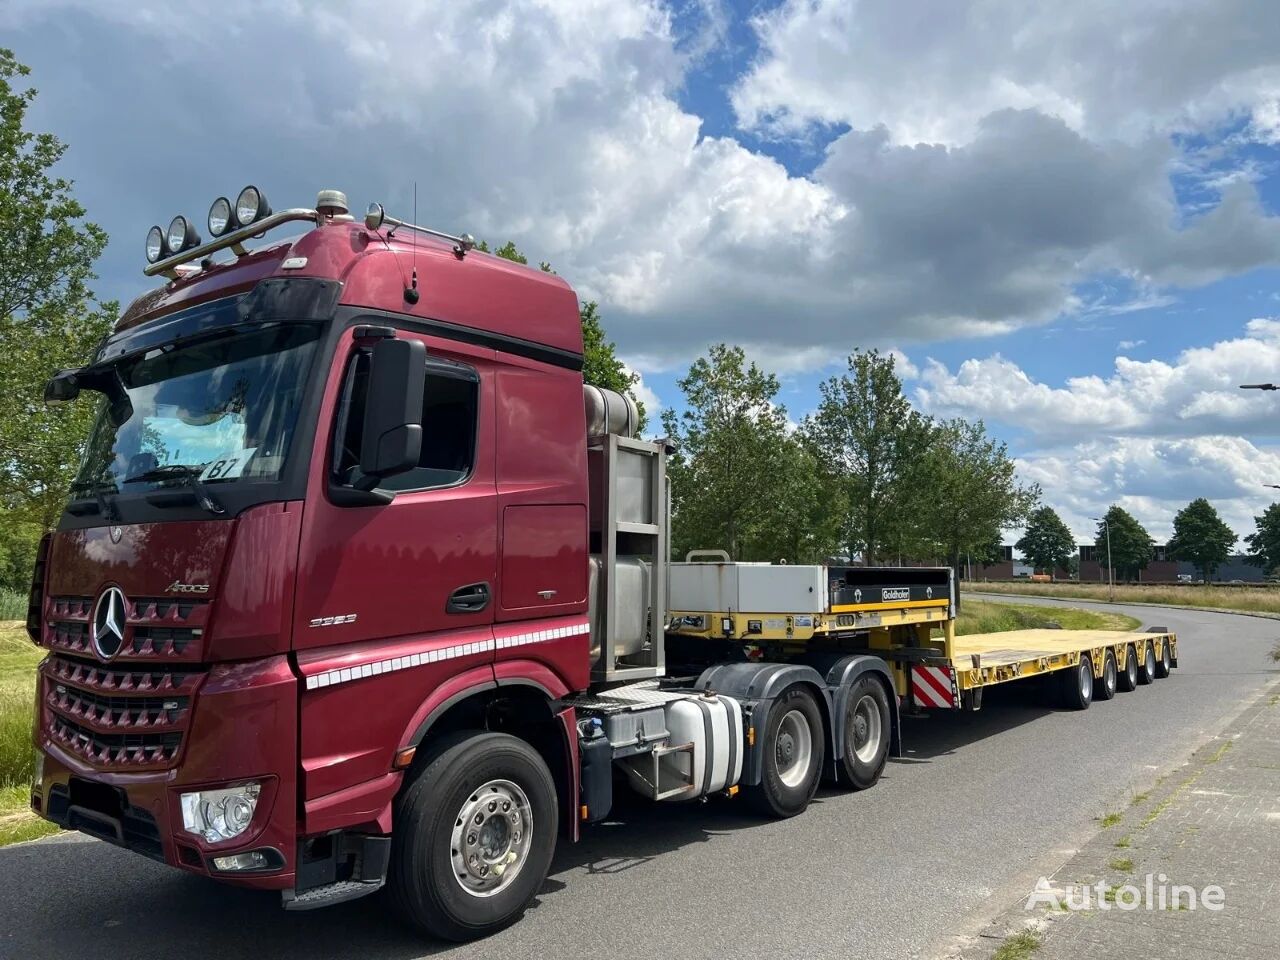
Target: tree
<point>1264,542</point>
<point>47,315</point>
<point>600,364</point>
<point>740,482</point>
<point>1200,536</point>
<point>867,439</point>
<point>971,493</point>
<point>1131,546</point>
<point>1047,543</point>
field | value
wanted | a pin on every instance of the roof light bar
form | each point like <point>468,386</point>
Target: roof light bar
<point>231,238</point>
<point>181,235</point>
<point>155,244</point>
<point>220,217</point>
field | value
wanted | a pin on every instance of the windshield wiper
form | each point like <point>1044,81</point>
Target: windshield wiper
<point>98,490</point>
<point>190,475</point>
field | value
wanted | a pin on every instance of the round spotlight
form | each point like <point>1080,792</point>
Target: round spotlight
<point>374,216</point>
<point>219,216</point>
<point>181,235</point>
<point>155,244</point>
<point>251,206</point>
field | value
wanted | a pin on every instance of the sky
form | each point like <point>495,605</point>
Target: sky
<point>1062,218</point>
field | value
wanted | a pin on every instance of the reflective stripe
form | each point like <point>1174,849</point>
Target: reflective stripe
<point>934,687</point>
<point>424,657</point>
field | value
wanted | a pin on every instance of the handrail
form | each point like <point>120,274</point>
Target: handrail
<point>169,266</point>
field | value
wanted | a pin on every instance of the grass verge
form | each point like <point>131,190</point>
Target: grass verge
<point>18,659</point>
<point>1018,946</point>
<point>985,616</point>
<point>1264,599</point>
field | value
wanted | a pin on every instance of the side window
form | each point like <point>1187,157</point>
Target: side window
<point>450,415</point>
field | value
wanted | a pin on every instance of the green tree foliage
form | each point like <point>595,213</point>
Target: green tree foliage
<point>967,492</point>
<point>1131,546</point>
<point>1047,543</point>
<point>868,440</point>
<point>600,364</point>
<point>740,481</point>
<point>1200,536</point>
<point>1264,542</point>
<point>47,316</point>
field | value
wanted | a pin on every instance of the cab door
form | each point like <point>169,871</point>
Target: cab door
<point>425,563</point>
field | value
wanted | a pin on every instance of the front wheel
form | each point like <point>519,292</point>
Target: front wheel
<point>793,754</point>
<point>474,835</point>
<point>867,724</point>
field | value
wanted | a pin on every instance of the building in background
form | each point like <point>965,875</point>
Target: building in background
<point>1093,568</point>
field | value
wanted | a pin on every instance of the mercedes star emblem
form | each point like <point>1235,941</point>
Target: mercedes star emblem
<point>109,622</point>
<point>116,534</point>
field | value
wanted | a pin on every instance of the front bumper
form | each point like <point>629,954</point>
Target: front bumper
<point>243,727</point>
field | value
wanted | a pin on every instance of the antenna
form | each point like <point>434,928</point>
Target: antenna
<point>411,292</point>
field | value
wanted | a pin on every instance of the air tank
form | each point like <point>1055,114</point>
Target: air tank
<point>609,412</point>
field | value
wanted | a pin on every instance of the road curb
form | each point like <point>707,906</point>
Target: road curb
<point>1014,597</point>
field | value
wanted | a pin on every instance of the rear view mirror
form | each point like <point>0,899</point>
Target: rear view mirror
<point>62,388</point>
<point>391,441</point>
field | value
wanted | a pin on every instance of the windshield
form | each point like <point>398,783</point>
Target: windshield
<point>221,410</point>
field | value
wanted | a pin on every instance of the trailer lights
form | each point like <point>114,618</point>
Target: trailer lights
<point>181,236</point>
<point>155,244</point>
<point>218,815</point>
<point>251,206</point>
<point>219,216</point>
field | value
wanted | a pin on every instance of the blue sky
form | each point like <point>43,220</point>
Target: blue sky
<point>1063,218</point>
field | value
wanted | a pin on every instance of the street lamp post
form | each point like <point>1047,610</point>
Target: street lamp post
<point>1111,571</point>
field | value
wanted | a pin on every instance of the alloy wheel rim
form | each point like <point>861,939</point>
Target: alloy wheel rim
<point>491,835</point>
<point>794,748</point>
<point>866,729</point>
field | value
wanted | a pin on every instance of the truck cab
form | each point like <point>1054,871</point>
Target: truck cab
<point>334,504</point>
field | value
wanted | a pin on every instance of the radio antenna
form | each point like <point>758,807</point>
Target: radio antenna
<point>411,292</point>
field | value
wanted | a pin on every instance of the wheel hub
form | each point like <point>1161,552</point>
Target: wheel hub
<point>490,838</point>
<point>866,729</point>
<point>793,749</point>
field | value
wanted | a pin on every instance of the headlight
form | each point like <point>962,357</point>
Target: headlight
<point>155,244</point>
<point>251,205</point>
<point>181,234</point>
<point>218,815</point>
<point>219,216</point>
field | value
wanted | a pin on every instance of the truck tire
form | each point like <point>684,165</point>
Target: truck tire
<point>1128,679</point>
<point>473,836</point>
<point>1077,684</point>
<point>1147,666</point>
<point>793,751</point>
<point>1105,689</point>
<point>1164,666</point>
<point>867,724</point>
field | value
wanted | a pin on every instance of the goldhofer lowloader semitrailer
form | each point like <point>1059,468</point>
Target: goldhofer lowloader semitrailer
<point>359,586</point>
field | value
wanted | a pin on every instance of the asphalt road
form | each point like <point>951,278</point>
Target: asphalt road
<point>958,829</point>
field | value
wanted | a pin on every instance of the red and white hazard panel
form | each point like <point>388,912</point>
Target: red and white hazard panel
<point>934,687</point>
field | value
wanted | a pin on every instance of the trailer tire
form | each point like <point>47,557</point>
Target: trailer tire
<point>1077,684</point>
<point>792,755</point>
<point>1164,666</point>
<point>1147,667</point>
<point>1106,689</point>
<point>1128,680</point>
<point>867,729</point>
<point>473,777</point>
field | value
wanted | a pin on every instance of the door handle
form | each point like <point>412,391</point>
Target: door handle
<point>472,598</point>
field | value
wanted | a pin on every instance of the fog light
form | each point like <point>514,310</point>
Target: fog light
<point>251,206</point>
<point>267,859</point>
<point>181,236</point>
<point>218,815</point>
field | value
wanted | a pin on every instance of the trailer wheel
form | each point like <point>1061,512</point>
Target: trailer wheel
<point>1164,666</point>
<point>1107,688</point>
<point>866,734</point>
<point>1147,668</point>
<point>1128,681</point>
<point>474,835</point>
<point>1077,685</point>
<point>792,755</point>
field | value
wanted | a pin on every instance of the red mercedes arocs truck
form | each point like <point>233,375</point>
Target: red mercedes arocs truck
<point>359,586</point>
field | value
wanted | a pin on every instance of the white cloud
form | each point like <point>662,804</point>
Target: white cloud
<point>644,393</point>
<point>1130,344</point>
<point>1153,479</point>
<point>1107,70</point>
<point>1197,394</point>
<point>558,125</point>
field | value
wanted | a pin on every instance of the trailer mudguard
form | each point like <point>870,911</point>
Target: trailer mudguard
<point>756,686</point>
<point>841,672</point>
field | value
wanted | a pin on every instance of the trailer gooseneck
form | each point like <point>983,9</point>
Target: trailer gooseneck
<point>360,587</point>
